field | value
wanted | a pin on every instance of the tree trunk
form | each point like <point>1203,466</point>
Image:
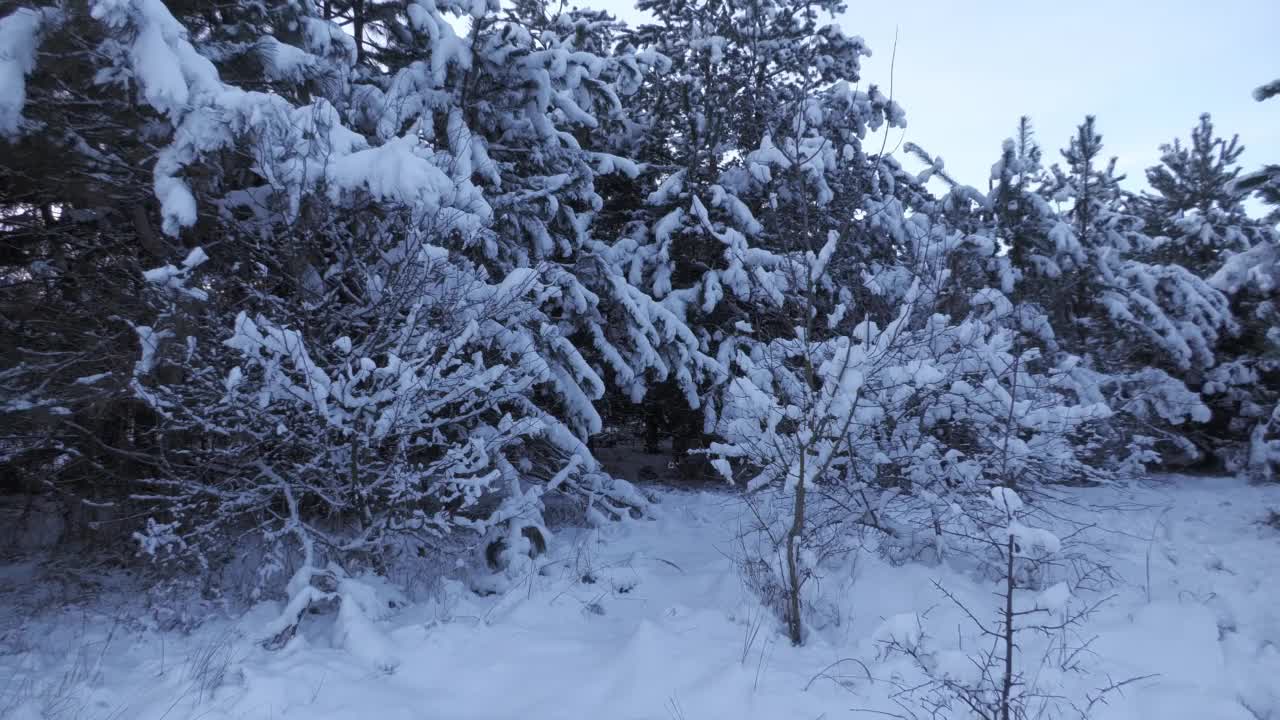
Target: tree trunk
<point>1006,688</point>
<point>794,536</point>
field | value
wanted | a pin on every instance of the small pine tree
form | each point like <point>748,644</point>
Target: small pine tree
<point>1198,203</point>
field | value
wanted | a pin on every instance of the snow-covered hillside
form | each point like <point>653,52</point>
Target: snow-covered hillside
<point>652,620</point>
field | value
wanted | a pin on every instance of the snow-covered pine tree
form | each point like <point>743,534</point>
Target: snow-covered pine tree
<point>537,98</point>
<point>509,191</point>
<point>75,194</point>
<point>369,347</point>
<point>1015,243</point>
<point>1044,254</point>
<point>91,118</point>
<point>1197,205</point>
<point>712,129</point>
<point>1115,294</point>
<point>1242,386</point>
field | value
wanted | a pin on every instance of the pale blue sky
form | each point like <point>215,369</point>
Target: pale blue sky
<point>965,71</point>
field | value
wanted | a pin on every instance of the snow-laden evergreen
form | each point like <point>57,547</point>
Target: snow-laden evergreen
<point>356,288</point>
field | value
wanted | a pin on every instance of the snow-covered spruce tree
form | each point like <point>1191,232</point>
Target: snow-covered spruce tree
<point>96,100</point>
<point>523,207</point>
<point>729,79</point>
<point>1198,205</point>
<point>539,103</point>
<point>378,342</point>
<point>1115,295</point>
<point>1243,383</point>
<point>1026,255</point>
<point>1044,255</point>
<point>1197,208</point>
<point>1014,242</point>
<point>75,237</point>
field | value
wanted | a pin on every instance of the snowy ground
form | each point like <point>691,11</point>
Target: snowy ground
<point>650,620</point>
